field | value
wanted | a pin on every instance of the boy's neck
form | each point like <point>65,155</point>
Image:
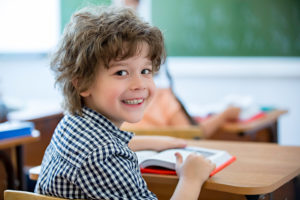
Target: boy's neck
<point>117,124</point>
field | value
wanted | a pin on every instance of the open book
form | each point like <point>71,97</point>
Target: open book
<point>163,162</point>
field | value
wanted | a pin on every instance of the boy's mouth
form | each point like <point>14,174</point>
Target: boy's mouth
<point>133,101</point>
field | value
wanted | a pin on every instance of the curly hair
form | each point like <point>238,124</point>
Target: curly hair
<point>94,37</point>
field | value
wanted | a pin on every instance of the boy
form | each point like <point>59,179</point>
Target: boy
<point>104,66</point>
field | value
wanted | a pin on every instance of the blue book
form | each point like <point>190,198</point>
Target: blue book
<point>15,129</point>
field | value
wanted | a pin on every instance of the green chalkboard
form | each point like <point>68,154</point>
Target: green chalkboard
<point>229,27</point>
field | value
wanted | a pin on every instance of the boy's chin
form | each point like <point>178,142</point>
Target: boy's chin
<point>134,120</point>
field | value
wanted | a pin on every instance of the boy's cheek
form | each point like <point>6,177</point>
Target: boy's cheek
<point>152,87</point>
<point>154,90</point>
<point>152,93</point>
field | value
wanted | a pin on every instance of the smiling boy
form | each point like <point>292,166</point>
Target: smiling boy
<point>104,66</point>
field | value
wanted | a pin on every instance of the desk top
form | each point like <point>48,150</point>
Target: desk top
<point>34,110</point>
<point>260,168</point>
<point>270,117</point>
<point>11,142</point>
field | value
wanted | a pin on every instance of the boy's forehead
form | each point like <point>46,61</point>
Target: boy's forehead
<point>141,51</point>
<point>127,61</point>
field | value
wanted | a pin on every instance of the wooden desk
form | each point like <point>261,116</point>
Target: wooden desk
<point>15,162</point>
<point>261,170</point>
<point>264,129</point>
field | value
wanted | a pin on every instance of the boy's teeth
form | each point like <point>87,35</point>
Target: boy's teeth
<point>134,101</point>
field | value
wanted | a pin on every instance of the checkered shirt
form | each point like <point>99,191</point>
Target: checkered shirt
<point>88,158</point>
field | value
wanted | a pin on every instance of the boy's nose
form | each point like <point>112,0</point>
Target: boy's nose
<point>137,83</point>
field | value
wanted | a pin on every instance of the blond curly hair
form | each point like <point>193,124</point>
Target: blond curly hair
<point>94,37</point>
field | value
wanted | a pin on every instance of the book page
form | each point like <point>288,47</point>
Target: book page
<point>143,155</point>
<point>202,152</point>
<point>167,158</point>
<point>218,157</point>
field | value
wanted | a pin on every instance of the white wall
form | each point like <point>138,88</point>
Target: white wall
<point>28,84</point>
<point>27,79</point>
<point>28,26</point>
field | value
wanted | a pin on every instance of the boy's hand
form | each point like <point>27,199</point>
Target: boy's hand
<point>195,169</point>
<point>192,172</point>
<point>232,113</point>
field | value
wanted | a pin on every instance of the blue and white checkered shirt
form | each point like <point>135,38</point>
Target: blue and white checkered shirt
<point>88,158</point>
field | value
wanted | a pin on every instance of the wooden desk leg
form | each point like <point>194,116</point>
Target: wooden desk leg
<point>20,164</point>
<point>296,182</point>
<point>287,191</point>
<point>274,132</point>
<point>9,169</point>
<point>255,197</point>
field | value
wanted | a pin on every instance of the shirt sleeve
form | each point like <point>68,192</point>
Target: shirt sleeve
<point>111,172</point>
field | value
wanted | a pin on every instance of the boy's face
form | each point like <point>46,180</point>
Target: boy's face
<point>122,92</point>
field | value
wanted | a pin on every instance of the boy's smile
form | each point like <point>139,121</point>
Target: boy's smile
<point>122,92</point>
<point>134,101</point>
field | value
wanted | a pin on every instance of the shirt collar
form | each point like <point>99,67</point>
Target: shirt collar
<point>92,115</point>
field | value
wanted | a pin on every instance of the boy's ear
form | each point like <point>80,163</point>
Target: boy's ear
<point>84,93</point>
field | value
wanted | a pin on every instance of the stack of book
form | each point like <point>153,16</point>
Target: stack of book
<point>15,129</point>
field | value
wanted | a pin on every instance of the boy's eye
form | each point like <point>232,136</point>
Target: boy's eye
<point>121,73</point>
<point>146,71</point>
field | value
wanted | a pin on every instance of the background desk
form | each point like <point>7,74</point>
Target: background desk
<point>15,164</point>
<point>264,129</point>
<point>45,120</point>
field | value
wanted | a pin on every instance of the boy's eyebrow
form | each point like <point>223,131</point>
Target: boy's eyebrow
<point>149,62</point>
<point>118,63</point>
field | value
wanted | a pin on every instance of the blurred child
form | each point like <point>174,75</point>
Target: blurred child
<point>104,66</point>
